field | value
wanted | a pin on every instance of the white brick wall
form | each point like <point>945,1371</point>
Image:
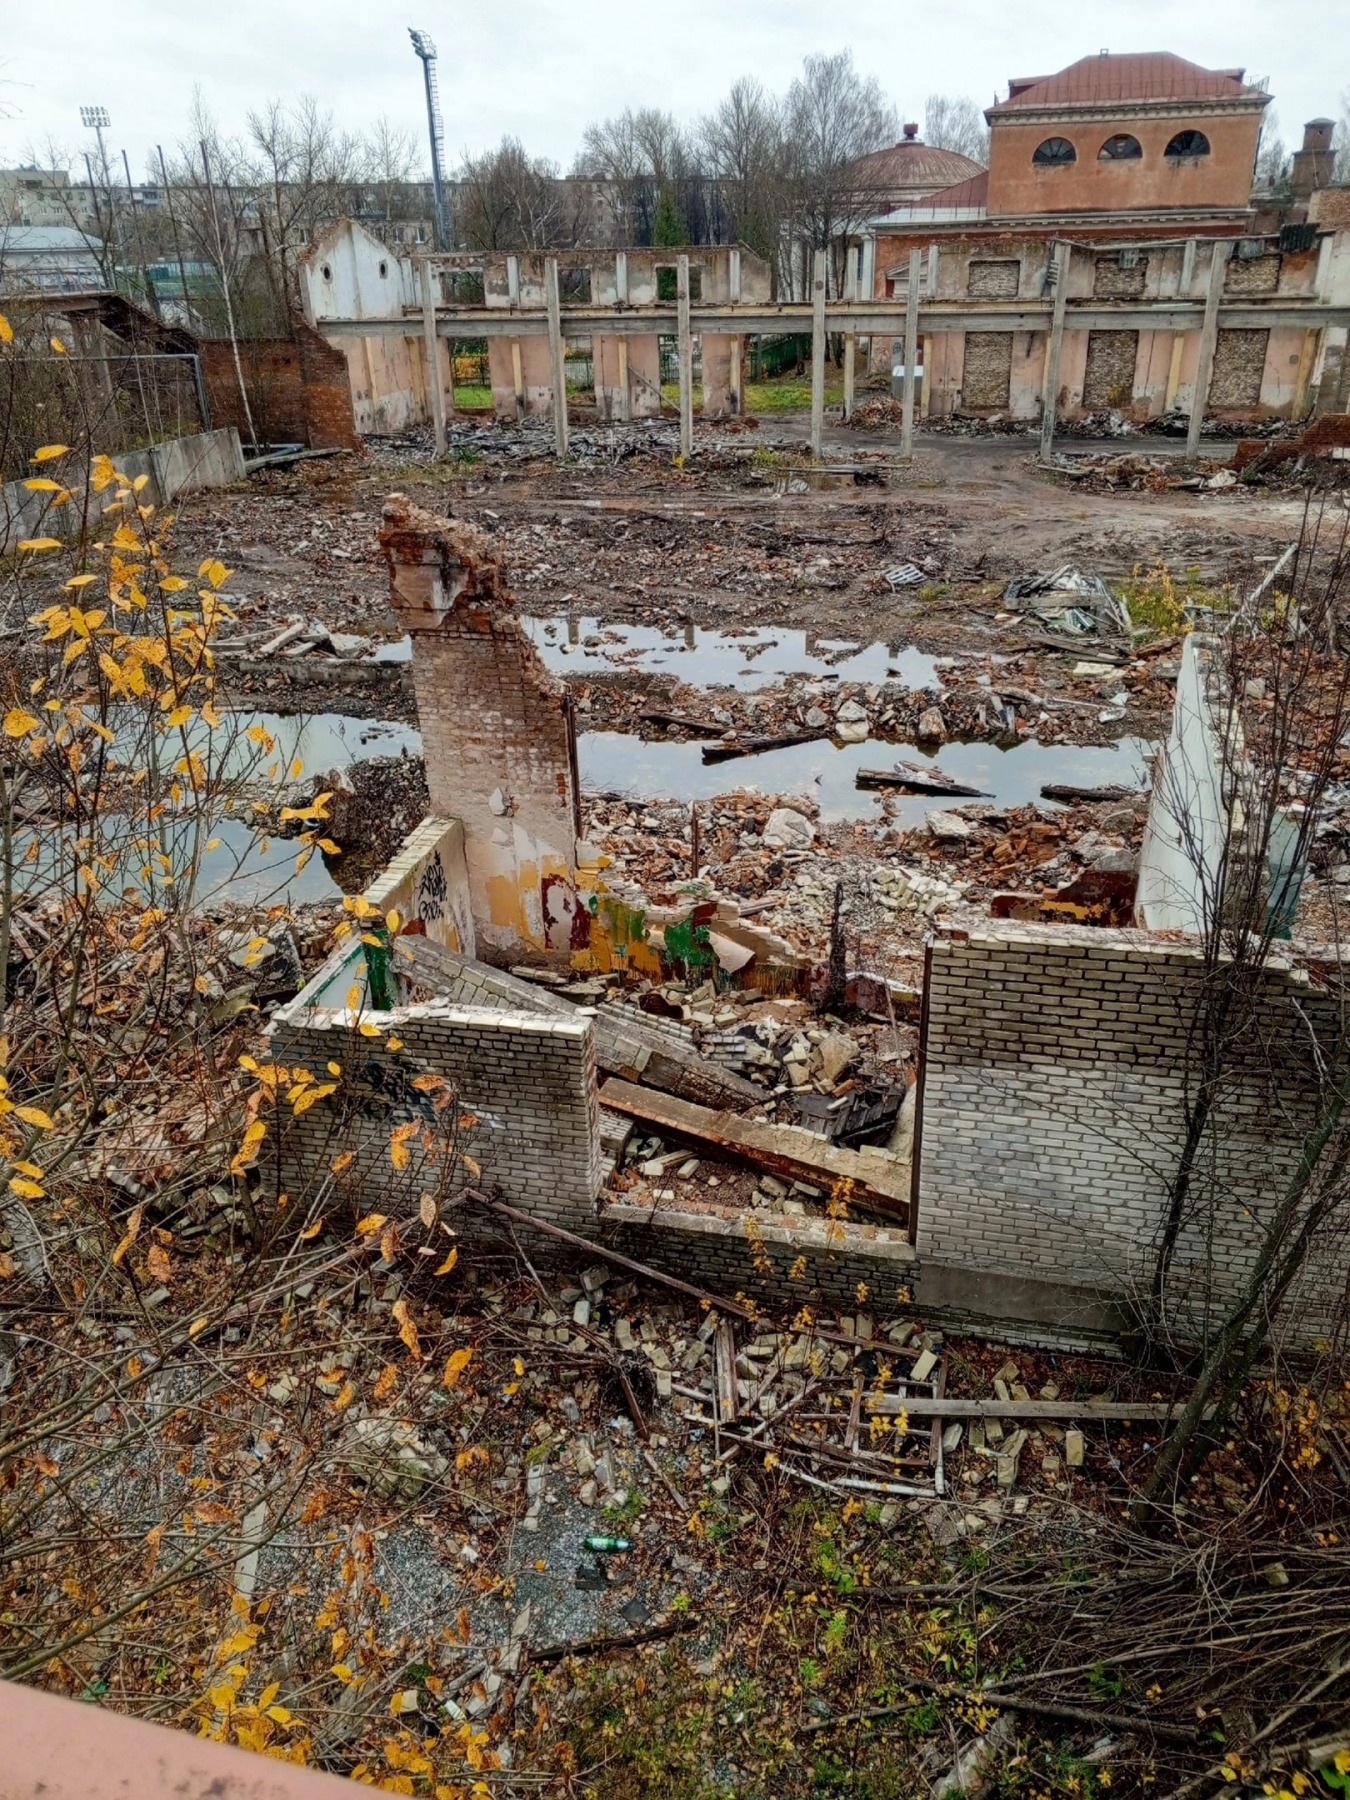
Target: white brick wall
<point>1054,1084</point>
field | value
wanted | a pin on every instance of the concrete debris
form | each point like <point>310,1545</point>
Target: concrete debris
<point>788,830</point>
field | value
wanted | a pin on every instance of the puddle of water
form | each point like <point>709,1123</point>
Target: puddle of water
<point>757,657</point>
<point>320,740</point>
<point>613,762</point>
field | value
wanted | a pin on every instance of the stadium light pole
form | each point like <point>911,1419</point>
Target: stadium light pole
<point>425,50</point>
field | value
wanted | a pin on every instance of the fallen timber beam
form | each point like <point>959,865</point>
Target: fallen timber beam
<point>920,781</point>
<point>784,1150</point>
<point>756,746</point>
<point>1121,1411</point>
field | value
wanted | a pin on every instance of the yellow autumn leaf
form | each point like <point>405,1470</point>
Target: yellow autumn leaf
<point>34,1115</point>
<point>49,453</point>
<point>426,1210</point>
<point>43,484</point>
<point>7,1265</point>
<point>392,921</point>
<point>24,1188</point>
<point>57,345</point>
<point>345,1398</point>
<point>197,1327</point>
<point>344,1161</point>
<point>43,543</point>
<point>371,1222</point>
<point>342,1671</point>
<point>311,1231</point>
<point>449,1262</point>
<point>158,1263</point>
<point>367,1029</point>
<point>387,1382</point>
<point>132,1232</point>
<point>455,1367</point>
<point>6,330</point>
<point>407,1331</point>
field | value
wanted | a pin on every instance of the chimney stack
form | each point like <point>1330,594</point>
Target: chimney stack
<point>1314,163</point>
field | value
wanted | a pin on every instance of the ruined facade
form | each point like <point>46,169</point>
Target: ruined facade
<point>497,736</point>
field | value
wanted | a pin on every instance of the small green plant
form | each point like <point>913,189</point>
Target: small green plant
<point>810,1671</point>
<point>836,1632</point>
<point>633,1502</point>
<point>1106,1683</point>
<point>924,1718</point>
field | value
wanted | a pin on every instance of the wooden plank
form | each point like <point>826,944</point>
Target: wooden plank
<point>784,1150</point>
<point>724,1361</point>
<point>922,1407</point>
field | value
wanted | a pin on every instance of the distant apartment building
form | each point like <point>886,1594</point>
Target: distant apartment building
<point>1128,180</point>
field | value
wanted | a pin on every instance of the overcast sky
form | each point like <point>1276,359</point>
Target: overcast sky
<point>540,69</point>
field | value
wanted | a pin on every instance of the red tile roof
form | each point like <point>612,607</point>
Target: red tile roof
<point>1101,80</point>
<point>974,192</point>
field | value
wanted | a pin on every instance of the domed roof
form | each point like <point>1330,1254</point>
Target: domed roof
<point>911,169</point>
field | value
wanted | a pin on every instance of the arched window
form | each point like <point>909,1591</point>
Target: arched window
<point>1054,153</point>
<point>1120,148</point>
<point>1188,143</point>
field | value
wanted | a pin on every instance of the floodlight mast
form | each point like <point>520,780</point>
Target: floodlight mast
<point>425,50</point>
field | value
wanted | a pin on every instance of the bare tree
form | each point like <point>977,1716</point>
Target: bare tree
<point>390,162</point>
<point>1275,704</point>
<point>741,143</point>
<point>1273,162</point>
<point>508,200</point>
<point>956,123</point>
<point>832,118</point>
<point>302,166</point>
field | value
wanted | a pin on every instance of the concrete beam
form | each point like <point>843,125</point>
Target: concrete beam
<point>1209,338</point>
<point>877,318</point>
<point>684,346</point>
<point>1054,344</point>
<point>557,355</point>
<point>911,352</point>
<point>818,269</point>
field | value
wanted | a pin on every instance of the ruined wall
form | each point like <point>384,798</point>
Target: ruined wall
<point>521,375</point>
<point>528,1080</point>
<point>496,733</point>
<point>299,390</point>
<point>428,883</point>
<point>715,1250</point>
<point>1053,1081</point>
<point>643,393</point>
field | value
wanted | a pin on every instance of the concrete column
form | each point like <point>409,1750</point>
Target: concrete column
<point>1187,269</point>
<point>1307,362</point>
<point>1209,337</point>
<point>513,280</point>
<point>556,355</point>
<point>817,353</point>
<point>450,407</point>
<point>431,357</point>
<point>1174,370</point>
<point>1054,345</point>
<point>851,280</point>
<point>621,276</point>
<point>911,352</point>
<point>685,351</point>
<point>624,397</point>
<point>734,274</point>
<point>518,377</point>
<point>737,356</point>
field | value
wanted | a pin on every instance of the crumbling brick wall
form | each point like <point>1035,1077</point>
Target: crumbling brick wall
<point>298,390</point>
<point>1108,377</point>
<point>1239,367</point>
<point>832,1262</point>
<point>1113,280</point>
<point>987,374</point>
<point>527,1079</point>
<point>497,736</point>
<point>1054,1073</point>
<point>1253,274</point>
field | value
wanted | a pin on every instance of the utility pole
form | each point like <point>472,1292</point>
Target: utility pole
<point>425,50</point>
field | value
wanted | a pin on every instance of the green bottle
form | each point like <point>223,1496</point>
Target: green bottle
<point>596,1541</point>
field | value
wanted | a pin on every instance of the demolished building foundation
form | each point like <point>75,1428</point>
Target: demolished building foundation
<point>1025,1187</point>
